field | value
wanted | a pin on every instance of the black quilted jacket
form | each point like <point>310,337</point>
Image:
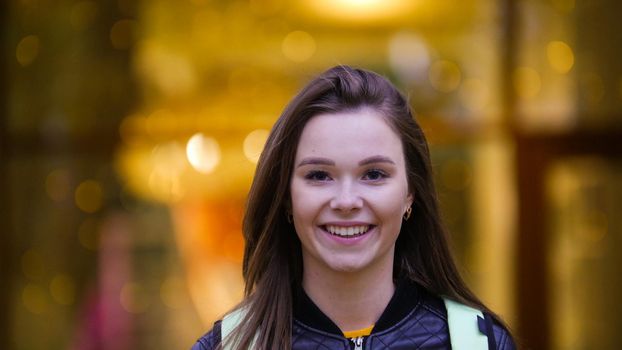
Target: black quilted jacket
<point>414,319</point>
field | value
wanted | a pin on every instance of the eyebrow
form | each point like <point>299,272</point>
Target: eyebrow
<point>326,161</point>
<point>376,159</point>
<point>316,161</point>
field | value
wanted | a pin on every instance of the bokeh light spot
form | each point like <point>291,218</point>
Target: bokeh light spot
<point>560,56</point>
<point>203,153</point>
<point>63,289</point>
<point>409,56</point>
<point>444,75</point>
<point>254,143</point>
<point>361,10</point>
<point>89,196</point>
<point>171,72</point>
<point>27,50</point>
<point>298,46</point>
<point>596,226</point>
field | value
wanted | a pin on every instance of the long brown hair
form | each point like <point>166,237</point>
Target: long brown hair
<point>272,264</point>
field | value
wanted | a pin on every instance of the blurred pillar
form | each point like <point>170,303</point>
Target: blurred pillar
<point>5,215</point>
<point>533,317</point>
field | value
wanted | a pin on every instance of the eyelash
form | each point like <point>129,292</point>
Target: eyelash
<point>381,174</point>
<point>315,175</point>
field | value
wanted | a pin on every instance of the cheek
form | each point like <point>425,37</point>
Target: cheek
<point>296,195</point>
<point>391,215</point>
<point>391,204</point>
<point>305,202</point>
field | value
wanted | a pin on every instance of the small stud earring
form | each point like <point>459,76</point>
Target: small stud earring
<point>290,218</point>
<point>407,213</point>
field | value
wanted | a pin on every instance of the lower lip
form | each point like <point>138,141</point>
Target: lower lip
<point>349,240</point>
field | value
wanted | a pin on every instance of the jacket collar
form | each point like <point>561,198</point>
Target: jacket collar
<point>404,300</point>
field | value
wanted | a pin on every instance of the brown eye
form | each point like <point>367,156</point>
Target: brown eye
<point>375,175</point>
<point>317,175</point>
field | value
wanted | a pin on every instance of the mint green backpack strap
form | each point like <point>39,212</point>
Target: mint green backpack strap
<point>464,332</point>
<point>228,324</point>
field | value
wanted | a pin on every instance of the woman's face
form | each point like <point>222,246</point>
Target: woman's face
<point>349,192</point>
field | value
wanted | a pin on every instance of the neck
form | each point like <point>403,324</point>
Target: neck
<point>353,300</point>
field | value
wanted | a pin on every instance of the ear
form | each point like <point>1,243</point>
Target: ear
<point>409,200</point>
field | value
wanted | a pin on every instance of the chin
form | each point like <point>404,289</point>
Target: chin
<point>346,266</point>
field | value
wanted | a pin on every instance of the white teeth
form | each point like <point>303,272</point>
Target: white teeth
<point>347,231</point>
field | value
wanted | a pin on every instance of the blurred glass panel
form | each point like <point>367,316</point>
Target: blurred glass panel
<point>585,261</point>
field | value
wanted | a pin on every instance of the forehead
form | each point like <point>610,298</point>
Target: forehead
<point>356,133</point>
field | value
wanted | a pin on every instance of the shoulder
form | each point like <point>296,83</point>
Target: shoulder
<point>210,340</point>
<point>433,304</point>
<point>501,337</point>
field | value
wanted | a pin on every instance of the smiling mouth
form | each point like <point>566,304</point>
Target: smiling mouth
<point>347,231</point>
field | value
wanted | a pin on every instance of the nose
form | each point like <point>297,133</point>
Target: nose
<point>346,198</point>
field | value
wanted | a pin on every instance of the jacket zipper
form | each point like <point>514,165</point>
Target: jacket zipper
<point>358,343</point>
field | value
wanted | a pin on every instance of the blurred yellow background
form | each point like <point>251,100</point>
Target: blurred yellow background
<point>130,131</point>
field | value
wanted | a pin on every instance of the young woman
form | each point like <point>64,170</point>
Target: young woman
<point>345,248</point>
